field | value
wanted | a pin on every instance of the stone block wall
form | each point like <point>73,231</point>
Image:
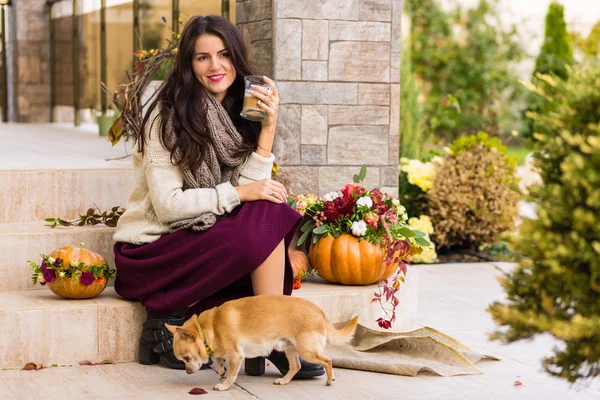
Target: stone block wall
<point>337,66</point>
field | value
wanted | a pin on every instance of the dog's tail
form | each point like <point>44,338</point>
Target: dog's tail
<point>343,335</point>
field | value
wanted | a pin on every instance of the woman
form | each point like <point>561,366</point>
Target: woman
<point>204,223</point>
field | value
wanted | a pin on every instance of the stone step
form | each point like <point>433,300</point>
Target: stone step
<point>23,241</point>
<point>63,171</point>
<point>33,195</point>
<point>39,327</point>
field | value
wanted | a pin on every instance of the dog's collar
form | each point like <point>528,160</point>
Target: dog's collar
<point>207,347</point>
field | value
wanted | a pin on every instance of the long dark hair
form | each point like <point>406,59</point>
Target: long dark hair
<point>181,96</point>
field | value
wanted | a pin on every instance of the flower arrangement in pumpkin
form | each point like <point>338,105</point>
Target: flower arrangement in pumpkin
<point>371,221</point>
<point>72,272</point>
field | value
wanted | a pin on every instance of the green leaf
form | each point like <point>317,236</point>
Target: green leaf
<point>422,242</point>
<point>363,172</point>
<point>308,225</point>
<point>303,238</point>
<point>115,209</point>
<point>53,225</point>
<point>319,230</point>
<point>419,234</point>
<point>315,238</point>
<point>63,222</point>
<point>407,233</point>
<point>49,219</point>
<point>111,222</point>
<point>356,178</point>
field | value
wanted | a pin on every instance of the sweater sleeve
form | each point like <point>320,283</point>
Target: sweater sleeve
<point>256,168</point>
<point>165,186</point>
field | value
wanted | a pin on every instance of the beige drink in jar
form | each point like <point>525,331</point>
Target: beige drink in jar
<point>250,110</point>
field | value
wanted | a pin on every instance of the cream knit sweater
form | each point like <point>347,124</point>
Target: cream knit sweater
<point>158,198</point>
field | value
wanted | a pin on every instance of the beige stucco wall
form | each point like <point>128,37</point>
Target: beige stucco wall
<point>337,64</point>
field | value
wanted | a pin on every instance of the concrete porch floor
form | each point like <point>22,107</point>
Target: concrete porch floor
<point>452,299</point>
<point>58,146</point>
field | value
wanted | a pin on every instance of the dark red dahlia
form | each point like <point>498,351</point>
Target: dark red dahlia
<point>342,206</point>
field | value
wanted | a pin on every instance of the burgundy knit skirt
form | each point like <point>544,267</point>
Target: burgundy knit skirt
<point>210,267</point>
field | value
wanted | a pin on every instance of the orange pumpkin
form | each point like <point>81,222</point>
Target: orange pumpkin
<point>299,262</point>
<point>75,255</point>
<point>346,260</point>
<point>68,287</point>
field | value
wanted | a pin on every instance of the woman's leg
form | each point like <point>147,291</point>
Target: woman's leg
<point>268,277</point>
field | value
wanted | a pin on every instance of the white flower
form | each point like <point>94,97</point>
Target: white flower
<point>51,260</point>
<point>396,202</point>
<point>365,201</point>
<point>359,228</point>
<point>61,274</point>
<point>41,278</point>
<point>331,196</point>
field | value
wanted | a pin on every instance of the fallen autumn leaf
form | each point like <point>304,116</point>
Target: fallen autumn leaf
<point>30,366</point>
<point>198,391</point>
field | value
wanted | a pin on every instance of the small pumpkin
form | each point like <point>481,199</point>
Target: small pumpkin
<point>346,260</point>
<point>87,285</point>
<point>73,255</point>
<point>299,262</point>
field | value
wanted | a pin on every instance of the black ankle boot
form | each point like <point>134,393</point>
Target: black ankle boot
<point>256,366</point>
<point>156,342</point>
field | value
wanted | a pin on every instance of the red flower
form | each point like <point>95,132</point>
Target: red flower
<point>342,206</point>
<point>372,219</point>
<point>87,278</point>
<point>377,196</point>
<point>351,189</point>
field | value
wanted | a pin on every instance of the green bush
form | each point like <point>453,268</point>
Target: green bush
<point>411,124</point>
<point>554,57</point>
<point>556,286</point>
<point>474,197</point>
<point>464,59</point>
<point>472,141</point>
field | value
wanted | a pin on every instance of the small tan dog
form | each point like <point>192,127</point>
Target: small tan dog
<point>253,327</point>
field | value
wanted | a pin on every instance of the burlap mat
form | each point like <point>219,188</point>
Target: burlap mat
<point>406,353</point>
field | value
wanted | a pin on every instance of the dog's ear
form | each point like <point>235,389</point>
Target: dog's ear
<point>171,328</point>
<point>185,335</point>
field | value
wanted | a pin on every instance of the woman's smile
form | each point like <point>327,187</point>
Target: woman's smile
<point>216,77</point>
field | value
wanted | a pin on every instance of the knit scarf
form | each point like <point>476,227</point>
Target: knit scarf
<point>218,165</point>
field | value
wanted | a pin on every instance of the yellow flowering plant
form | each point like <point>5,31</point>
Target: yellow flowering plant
<point>423,224</point>
<point>416,178</point>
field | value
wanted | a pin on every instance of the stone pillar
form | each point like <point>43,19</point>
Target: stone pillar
<point>32,61</point>
<point>337,65</point>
